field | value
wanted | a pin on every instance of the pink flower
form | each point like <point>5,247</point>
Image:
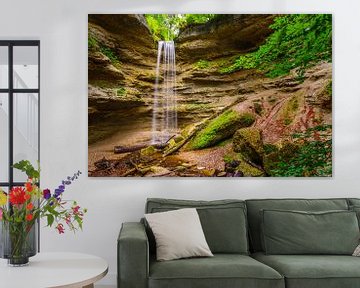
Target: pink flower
<point>60,228</point>
<point>76,210</point>
<point>1,214</point>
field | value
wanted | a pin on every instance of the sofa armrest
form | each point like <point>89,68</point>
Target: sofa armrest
<point>133,256</point>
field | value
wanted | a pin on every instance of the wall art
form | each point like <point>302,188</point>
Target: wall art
<point>210,95</point>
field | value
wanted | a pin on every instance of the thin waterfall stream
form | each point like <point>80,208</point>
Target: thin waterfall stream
<point>164,117</point>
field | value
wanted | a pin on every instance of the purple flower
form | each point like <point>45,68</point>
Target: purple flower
<point>58,192</point>
<point>46,194</point>
<point>68,181</point>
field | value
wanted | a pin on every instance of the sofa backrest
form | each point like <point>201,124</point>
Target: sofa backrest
<point>256,205</point>
<point>223,221</point>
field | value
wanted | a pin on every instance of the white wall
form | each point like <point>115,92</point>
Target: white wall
<point>62,28</point>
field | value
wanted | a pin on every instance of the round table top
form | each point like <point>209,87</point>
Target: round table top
<point>47,270</point>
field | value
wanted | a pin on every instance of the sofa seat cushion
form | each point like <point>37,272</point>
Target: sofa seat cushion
<point>314,271</point>
<point>222,270</point>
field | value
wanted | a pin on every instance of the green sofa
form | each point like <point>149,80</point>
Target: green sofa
<point>233,230</point>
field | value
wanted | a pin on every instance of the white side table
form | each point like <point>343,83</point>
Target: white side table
<point>50,270</point>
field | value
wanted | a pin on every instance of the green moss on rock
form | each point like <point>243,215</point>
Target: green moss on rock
<point>148,151</point>
<point>250,171</point>
<point>248,142</point>
<point>244,167</point>
<point>221,128</point>
<point>121,91</point>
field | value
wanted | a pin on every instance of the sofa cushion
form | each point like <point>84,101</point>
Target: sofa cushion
<point>356,209</point>
<point>255,206</point>
<point>314,271</point>
<point>222,270</point>
<point>353,201</point>
<point>297,232</point>
<point>223,221</point>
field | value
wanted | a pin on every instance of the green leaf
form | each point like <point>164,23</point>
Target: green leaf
<point>50,219</point>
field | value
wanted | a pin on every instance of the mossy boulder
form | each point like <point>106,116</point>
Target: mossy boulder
<point>250,171</point>
<point>248,142</point>
<point>220,128</point>
<point>284,153</point>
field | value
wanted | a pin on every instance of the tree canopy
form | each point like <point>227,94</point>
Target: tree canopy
<point>167,26</point>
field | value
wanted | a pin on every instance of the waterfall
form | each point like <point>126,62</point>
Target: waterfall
<point>164,118</point>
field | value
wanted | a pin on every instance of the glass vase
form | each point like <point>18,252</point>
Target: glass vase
<point>18,242</point>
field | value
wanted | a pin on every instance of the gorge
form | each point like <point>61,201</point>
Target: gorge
<point>222,122</point>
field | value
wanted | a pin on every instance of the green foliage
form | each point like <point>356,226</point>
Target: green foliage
<point>160,26</point>
<point>26,167</point>
<point>121,91</point>
<point>246,61</point>
<point>329,88</point>
<point>167,26</point>
<point>222,127</point>
<point>111,54</point>
<point>92,42</point>
<point>314,158</point>
<point>202,64</point>
<point>269,148</point>
<point>198,18</point>
<point>298,42</point>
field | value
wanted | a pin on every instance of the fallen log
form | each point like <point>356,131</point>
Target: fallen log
<point>126,149</point>
<point>133,148</point>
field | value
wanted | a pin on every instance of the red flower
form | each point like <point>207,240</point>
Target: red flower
<point>27,196</point>
<point>29,217</point>
<point>29,186</point>
<point>60,228</point>
<point>17,196</point>
<point>29,206</point>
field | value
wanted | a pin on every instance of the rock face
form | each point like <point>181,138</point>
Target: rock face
<point>223,37</point>
<point>121,73</point>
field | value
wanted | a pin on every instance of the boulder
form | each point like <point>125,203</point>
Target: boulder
<point>248,142</point>
<point>222,127</point>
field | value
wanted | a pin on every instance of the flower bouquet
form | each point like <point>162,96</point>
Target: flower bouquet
<point>21,208</point>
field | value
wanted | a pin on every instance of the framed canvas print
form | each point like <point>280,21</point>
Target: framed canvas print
<point>210,95</point>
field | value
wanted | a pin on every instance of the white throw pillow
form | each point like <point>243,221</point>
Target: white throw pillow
<point>357,251</point>
<point>178,234</point>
